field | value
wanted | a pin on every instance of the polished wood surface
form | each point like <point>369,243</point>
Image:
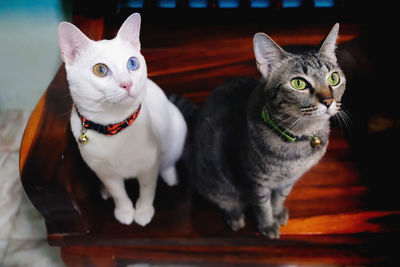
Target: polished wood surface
<point>336,216</point>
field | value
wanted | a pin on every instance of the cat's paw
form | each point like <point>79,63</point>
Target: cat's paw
<point>144,215</point>
<point>170,176</point>
<point>104,193</point>
<point>124,215</point>
<point>237,224</point>
<point>272,231</point>
<point>282,217</point>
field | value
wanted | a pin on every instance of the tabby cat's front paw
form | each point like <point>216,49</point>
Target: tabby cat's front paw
<point>144,215</point>
<point>282,217</point>
<point>125,214</point>
<point>272,231</point>
<point>237,223</point>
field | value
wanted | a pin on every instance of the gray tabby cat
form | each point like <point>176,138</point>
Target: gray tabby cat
<point>254,140</point>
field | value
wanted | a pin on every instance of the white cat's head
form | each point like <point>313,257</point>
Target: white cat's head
<point>104,75</point>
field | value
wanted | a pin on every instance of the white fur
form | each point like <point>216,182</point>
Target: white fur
<point>155,140</point>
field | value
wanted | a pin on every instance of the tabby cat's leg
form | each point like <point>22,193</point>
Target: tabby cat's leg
<point>147,190</point>
<point>266,223</point>
<point>279,196</point>
<point>234,215</point>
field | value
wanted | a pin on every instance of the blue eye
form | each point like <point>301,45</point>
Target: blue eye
<point>133,63</point>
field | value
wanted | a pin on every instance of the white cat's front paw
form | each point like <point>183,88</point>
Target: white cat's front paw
<point>170,176</point>
<point>144,215</point>
<point>124,215</point>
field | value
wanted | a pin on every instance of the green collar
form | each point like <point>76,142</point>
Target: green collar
<point>285,134</point>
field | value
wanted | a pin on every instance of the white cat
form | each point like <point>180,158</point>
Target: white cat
<point>109,85</point>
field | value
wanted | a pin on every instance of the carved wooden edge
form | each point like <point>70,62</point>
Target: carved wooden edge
<point>45,148</point>
<point>30,132</point>
<point>42,164</point>
<point>309,251</point>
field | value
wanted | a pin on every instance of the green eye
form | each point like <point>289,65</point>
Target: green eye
<point>334,79</point>
<point>298,84</point>
<point>100,69</point>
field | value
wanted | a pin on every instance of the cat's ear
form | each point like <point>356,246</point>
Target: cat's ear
<point>268,53</point>
<point>329,44</point>
<point>130,30</point>
<point>71,41</point>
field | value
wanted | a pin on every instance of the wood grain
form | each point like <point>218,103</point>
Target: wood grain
<point>346,223</point>
<point>310,251</point>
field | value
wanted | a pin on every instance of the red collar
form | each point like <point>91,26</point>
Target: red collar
<point>109,129</point>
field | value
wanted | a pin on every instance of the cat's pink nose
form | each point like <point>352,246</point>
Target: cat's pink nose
<point>126,85</point>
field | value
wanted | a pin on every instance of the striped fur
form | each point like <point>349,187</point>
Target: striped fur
<point>239,161</point>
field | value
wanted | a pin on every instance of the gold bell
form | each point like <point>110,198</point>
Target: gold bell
<point>83,139</point>
<point>315,141</point>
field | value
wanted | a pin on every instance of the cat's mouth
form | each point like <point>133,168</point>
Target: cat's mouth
<point>122,97</point>
<point>128,98</point>
<point>320,110</point>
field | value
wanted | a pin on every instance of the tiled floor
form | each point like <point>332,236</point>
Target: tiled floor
<point>22,230</point>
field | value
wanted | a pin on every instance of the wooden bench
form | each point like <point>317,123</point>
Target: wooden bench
<point>332,220</point>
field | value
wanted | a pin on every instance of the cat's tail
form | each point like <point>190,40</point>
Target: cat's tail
<point>189,110</point>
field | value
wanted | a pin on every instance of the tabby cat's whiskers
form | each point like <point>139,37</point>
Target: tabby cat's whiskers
<point>344,119</point>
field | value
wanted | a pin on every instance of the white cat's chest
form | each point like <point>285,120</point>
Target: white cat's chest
<point>127,153</point>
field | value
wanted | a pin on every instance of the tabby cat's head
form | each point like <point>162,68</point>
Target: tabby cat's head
<point>308,85</point>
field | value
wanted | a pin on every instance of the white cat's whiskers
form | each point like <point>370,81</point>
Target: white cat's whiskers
<point>108,107</point>
<point>114,99</point>
<point>89,96</point>
<point>66,113</point>
<point>66,95</point>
